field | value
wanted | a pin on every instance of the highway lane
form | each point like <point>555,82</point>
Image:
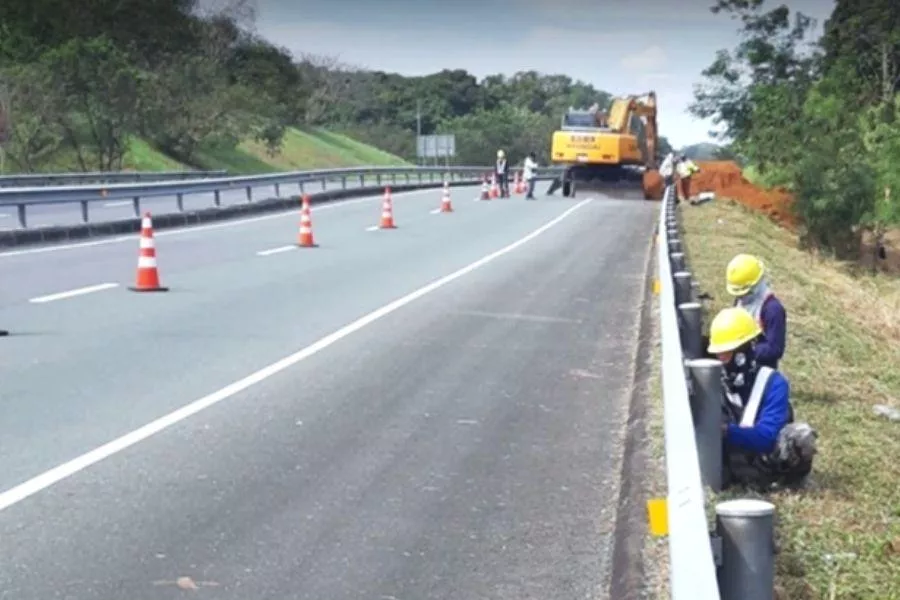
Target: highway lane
<point>465,445</point>
<point>70,214</point>
<point>51,269</point>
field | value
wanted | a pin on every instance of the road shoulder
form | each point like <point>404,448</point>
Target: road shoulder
<point>630,564</point>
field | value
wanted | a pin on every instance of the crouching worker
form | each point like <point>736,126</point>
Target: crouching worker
<point>745,279</point>
<point>764,447</point>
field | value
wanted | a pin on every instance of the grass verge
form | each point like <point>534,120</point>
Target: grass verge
<point>301,149</point>
<point>840,537</point>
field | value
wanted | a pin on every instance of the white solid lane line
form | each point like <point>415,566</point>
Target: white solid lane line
<point>275,250</point>
<point>373,228</point>
<point>55,475</point>
<point>72,293</point>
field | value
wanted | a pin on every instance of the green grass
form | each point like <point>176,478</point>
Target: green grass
<point>308,149</point>
<point>840,537</point>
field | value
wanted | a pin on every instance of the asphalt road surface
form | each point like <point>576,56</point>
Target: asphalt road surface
<point>435,411</point>
<point>70,214</point>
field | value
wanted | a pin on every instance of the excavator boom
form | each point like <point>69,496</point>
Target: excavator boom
<point>610,152</point>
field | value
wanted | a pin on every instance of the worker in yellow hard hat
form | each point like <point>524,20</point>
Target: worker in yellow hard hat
<point>502,172</point>
<point>763,444</point>
<point>745,279</point>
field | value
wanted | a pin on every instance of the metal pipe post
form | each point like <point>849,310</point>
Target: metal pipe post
<point>747,529</point>
<point>674,246</point>
<point>678,263</point>
<point>692,318</point>
<point>706,407</point>
<point>682,281</point>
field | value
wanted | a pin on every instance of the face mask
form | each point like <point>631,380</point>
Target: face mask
<point>741,369</point>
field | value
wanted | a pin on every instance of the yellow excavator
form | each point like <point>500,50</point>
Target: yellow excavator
<point>610,152</point>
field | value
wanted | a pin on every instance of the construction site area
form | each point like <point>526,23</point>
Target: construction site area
<point>726,180</point>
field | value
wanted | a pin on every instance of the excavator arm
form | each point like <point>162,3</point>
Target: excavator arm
<point>643,107</point>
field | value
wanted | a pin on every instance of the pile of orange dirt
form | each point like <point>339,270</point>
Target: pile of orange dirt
<point>654,184</point>
<point>724,178</point>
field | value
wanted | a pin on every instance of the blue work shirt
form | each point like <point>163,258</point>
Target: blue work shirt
<point>773,321</point>
<point>773,414</point>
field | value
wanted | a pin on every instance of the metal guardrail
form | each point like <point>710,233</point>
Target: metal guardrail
<point>21,198</point>
<point>692,570</point>
<point>737,560</point>
<point>42,179</point>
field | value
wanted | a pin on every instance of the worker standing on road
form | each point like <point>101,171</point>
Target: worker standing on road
<point>667,169</point>
<point>763,446</point>
<point>685,168</point>
<point>502,172</point>
<point>528,172</point>
<point>745,280</point>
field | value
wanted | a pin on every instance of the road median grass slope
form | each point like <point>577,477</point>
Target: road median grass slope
<point>840,537</point>
<point>300,150</point>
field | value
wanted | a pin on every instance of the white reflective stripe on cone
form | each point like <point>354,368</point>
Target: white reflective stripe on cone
<point>147,262</point>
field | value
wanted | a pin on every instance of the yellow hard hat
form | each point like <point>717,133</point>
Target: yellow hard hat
<point>743,272</point>
<point>732,328</point>
<point>500,154</point>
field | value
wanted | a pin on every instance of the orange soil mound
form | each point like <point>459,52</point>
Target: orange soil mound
<point>724,178</point>
<point>655,184</point>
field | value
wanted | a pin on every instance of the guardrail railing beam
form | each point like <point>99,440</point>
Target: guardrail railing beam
<point>22,198</point>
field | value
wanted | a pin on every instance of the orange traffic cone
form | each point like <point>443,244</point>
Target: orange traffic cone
<point>305,236</point>
<point>387,211</point>
<point>446,206</point>
<point>495,189</point>
<point>485,190</point>
<point>147,273</point>
<point>520,186</point>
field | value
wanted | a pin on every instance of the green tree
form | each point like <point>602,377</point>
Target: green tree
<point>98,98</point>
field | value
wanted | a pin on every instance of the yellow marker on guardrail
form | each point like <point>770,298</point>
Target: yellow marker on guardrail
<point>658,516</point>
<point>657,286</point>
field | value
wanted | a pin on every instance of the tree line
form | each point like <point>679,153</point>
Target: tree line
<point>89,76</point>
<point>819,116</point>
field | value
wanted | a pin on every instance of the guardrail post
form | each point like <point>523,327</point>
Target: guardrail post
<point>420,176</point>
<point>249,194</point>
<point>362,181</point>
<point>23,222</point>
<point>674,246</point>
<point>393,178</point>
<point>217,198</point>
<point>692,319</point>
<point>378,179</point>
<point>344,183</point>
<point>706,406</point>
<point>300,185</point>
<point>278,190</point>
<point>136,206</point>
<point>324,183</point>
<point>682,281</point>
<point>179,202</point>
<point>407,177</point>
<point>747,529</point>
<point>84,211</point>
<point>677,260</point>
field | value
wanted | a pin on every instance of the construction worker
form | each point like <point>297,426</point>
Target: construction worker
<point>502,173</point>
<point>667,169</point>
<point>745,280</point>
<point>528,172</point>
<point>685,168</point>
<point>763,446</point>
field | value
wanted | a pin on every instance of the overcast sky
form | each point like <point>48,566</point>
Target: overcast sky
<point>620,46</point>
